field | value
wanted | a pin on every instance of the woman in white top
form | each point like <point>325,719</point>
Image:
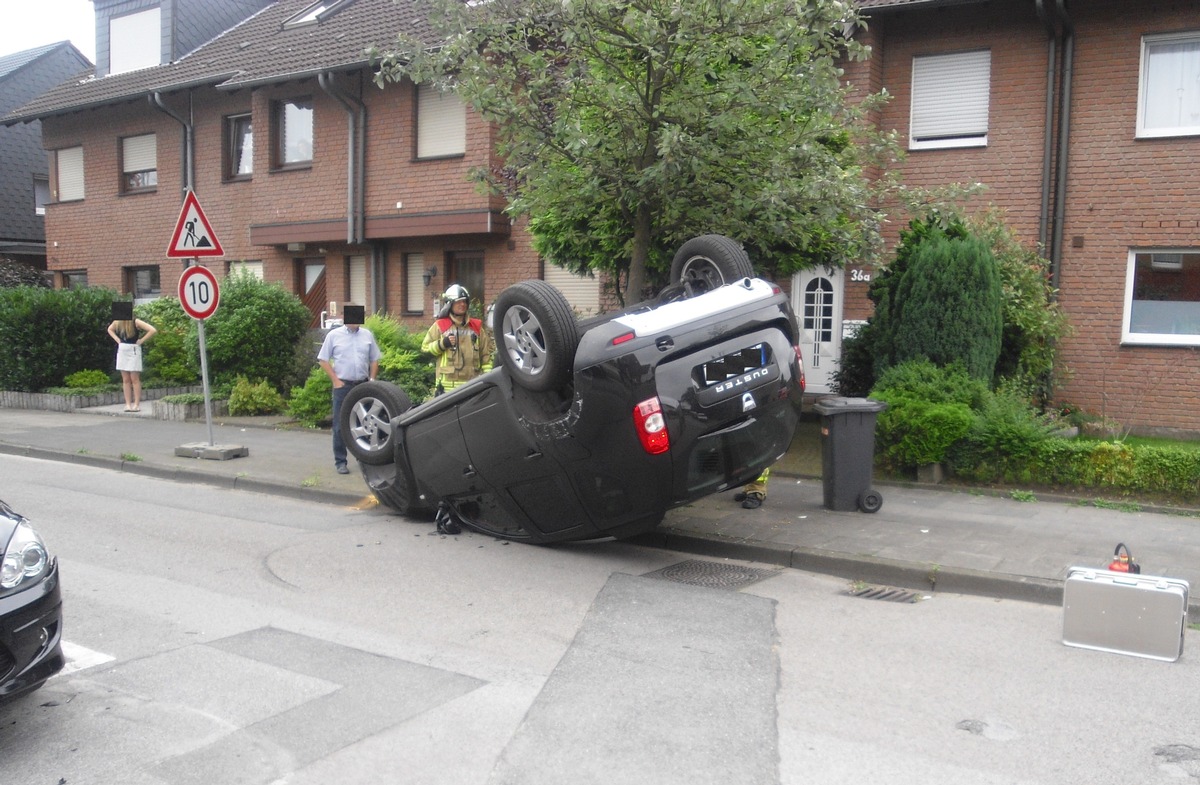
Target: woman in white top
<point>130,333</point>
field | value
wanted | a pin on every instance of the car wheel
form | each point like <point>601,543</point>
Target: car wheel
<point>366,420</point>
<point>870,501</point>
<point>709,261</point>
<point>537,335</point>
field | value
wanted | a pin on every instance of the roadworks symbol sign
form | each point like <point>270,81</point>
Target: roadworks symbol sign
<point>194,235</point>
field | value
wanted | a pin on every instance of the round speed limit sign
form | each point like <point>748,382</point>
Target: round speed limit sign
<point>198,292</point>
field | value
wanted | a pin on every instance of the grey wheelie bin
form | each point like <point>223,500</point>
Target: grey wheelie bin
<point>848,452</point>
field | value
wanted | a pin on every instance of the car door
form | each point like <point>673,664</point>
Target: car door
<point>524,474</point>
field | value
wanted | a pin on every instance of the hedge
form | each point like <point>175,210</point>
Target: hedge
<point>48,334</point>
<point>1100,465</point>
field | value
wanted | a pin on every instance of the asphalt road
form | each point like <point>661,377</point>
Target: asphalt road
<point>223,636</point>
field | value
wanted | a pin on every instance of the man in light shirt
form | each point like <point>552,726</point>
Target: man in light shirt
<point>350,356</point>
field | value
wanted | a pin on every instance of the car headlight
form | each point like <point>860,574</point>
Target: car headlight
<point>25,559</point>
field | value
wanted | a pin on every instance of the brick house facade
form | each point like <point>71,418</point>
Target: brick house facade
<point>363,217</point>
<point>1113,201</point>
<point>1110,202</point>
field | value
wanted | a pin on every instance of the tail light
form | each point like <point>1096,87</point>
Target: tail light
<point>651,426</point>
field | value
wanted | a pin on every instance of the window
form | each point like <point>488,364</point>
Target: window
<point>1169,88</point>
<point>143,282</point>
<point>466,268</point>
<point>41,194</point>
<point>356,279</point>
<point>1162,297</point>
<point>414,283</point>
<point>134,41</point>
<point>139,163</point>
<point>70,174</point>
<point>239,147</point>
<point>441,123</point>
<point>323,9</point>
<point>74,279</point>
<point>581,291</point>
<point>253,269</point>
<point>950,100</point>
<point>294,127</point>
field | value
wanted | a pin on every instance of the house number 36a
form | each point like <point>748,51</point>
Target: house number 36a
<point>859,275</point>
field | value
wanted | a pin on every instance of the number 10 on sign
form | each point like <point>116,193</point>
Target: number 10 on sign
<point>198,292</point>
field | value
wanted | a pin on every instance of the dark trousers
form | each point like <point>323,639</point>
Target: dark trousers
<point>339,447</point>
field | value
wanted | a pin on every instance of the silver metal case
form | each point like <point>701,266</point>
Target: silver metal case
<point>1141,615</point>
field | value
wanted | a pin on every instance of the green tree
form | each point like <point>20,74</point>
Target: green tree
<point>625,128</point>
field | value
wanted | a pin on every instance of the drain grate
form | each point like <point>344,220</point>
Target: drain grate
<point>715,575</point>
<point>885,593</point>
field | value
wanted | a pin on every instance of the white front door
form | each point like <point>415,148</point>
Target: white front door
<point>817,301</point>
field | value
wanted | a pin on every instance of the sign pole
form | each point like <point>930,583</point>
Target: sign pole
<point>199,295</point>
<point>203,366</point>
<point>204,380</point>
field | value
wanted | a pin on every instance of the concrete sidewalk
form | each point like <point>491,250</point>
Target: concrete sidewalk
<point>924,538</point>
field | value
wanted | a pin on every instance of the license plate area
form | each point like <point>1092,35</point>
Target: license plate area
<point>734,373</point>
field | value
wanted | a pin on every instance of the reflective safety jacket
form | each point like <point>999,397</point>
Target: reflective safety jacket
<point>470,356</point>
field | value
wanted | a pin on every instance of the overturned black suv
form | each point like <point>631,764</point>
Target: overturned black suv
<point>596,428</point>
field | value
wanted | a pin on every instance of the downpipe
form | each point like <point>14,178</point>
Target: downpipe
<point>189,140</point>
<point>356,120</point>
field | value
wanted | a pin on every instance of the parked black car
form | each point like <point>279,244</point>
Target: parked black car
<point>597,428</point>
<point>30,609</point>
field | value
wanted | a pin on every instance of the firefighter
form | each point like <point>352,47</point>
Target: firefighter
<point>461,345</point>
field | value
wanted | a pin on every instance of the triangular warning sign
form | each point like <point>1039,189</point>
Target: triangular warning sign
<point>194,236</point>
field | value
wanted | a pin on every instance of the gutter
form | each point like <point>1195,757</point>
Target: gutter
<point>356,142</point>
<point>137,94</point>
<point>908,5</point>
<point>325,70</point>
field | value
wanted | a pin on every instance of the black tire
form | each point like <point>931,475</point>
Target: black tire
<point>536,335</point>
<point>394,489</point>
<point>366,420</point>
<point>870,500</point>
<point>708,262</point>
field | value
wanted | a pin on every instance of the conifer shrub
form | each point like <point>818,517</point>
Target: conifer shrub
<point>951,306</point>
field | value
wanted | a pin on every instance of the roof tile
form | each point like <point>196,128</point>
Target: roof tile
<point>257,51</point>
